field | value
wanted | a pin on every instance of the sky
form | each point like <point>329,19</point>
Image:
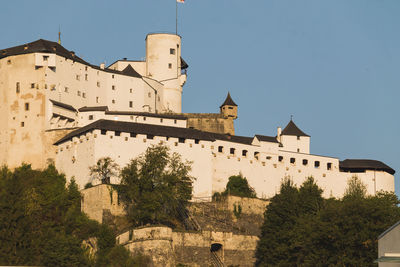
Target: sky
<point>333,65</point>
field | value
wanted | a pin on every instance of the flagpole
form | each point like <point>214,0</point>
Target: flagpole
<point>176,24</point>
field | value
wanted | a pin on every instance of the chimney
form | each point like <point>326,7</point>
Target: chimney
<point>102,66</point>
<point>278,136</point>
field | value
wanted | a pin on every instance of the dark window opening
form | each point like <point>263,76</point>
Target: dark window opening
<point>17,89</point>
<point>32,85</point>
<point>280,158</point>
<point>244,153</point>
<point>329,166</point>
<point>132,135</point>
<point>230,107</point>
<point>117,133</point>
<point>305,162</point>
<point>90,117</point>
<point>220,149</point>
<point>181,140</point>
<point>172,51</point>
<point>169,65</point>
<point>256,154</point>
<point>298,137</point>
<point>22,124</point>
<point>150,136</point>
<point>26,106</point>
<point>316,164</point>
<point>175,121</point>
<point>292,160</point>
<point>45,58</point>
<point>103,132</point>
<point>196,141</point>
<point>232,151</point>
<point>130,104</point>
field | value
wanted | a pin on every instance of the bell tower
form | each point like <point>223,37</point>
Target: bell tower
<point>229,108</point>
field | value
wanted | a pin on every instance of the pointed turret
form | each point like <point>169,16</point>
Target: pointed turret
<point>292,129</point>
<point>229,108</point>
<point>293,139</point>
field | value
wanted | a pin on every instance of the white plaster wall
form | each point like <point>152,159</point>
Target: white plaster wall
<point>291,143</point>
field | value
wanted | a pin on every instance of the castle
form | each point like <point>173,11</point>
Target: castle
<point>58,108</point>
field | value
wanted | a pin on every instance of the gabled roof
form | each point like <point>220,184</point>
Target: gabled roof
<point>129,71</point>
<point>389,229</point>
<point>263,138</point>
<point>62,105</point>
<point>357,165</point>
<point>45,46</point>
<point>228,101</point>
<point>292,129</point>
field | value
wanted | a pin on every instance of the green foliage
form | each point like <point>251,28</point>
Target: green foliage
<point>88,185</point>
<point>155,186</point>
<point>41,222</point>
<point>239,186</point>
<point>104,169</point>
<point>237,210</point>
<point>303,229</point>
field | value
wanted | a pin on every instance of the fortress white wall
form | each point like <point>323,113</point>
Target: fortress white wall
<point>212,167</point>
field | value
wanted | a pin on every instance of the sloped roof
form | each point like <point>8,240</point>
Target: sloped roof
<point>148,114</point>
<point>62,105</point>
<point>98,108</point>
<point>357,165</point>
<point>263,138</point>
<point>292,129</point>
<point>45,46</point>
<point>228,101</point>
<point>184,65</point>
<point>130,71</point>
<point>389,229</point>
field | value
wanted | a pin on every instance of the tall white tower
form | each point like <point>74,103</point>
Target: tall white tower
<point>164,64</point>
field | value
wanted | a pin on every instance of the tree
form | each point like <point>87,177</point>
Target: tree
<point>303,229</point>
<point>155,187</point>
<point>239,186</point>
<point>41,222</point>
<point>104,169</point>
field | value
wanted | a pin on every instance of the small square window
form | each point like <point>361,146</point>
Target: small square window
<point>78,77</point>
<point>26,106</point>
<point>86,76</point>
<point>181,140</point>
<point>22,124</point>
<point>84,95</point>
<point>292,160</point>
<point>175,121</point>
<point>316,164</point>
<point>172,51</point>
<point>169,65</point>
<point>130,104</point>
<point>103,132</point>
<point>305,162</point>
<point>161,120</point>
<point>113,87</point>
<point>130,90</point>
<point>112,76</point>
<point>280,158</point>
<point>220,149</point>
<point>97,99</point>
<point>32,85</point>
<point>144,118</point>
<point>117,133</point>
<point>98,84</point>
<point>132,135</point>
<point>149,94</point>
<point>79,93</point>
<point>90,117</point>
<point>329,166</point>
<point>298,137</point>
<point>113,101</point>
<point>45,58</point>
<point>66,89</point>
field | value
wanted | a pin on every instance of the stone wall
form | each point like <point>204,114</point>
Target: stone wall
<point>210,122</point>
<point>248,205</point>
<point>100,198</point>
<point>168,248</point>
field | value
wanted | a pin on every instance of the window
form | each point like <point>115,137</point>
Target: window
<point>17,88</point>
<point>175,121</point>
<point>169,65</point>
<point>298,137</point>
<point>220,149</point>
<point>26,106</point>
<point>181,140</point>
<point>113,101</point>
<point>161,120</point>
<point>66,89</point>
<point>329,166</point>
<point>144,118</point>
<point>130,90</point>
<point>149,94</point>
<point>86,68</point>
<point>86,76</point>
<point>196,141</point>
<point>84,95</point>
<point>8,62</point>
<point>79,93</point>
<point>103,132</point>
<point>244,153</point>
<point>280,158</point>
<point>268,157</point>
<point>112,76</point>
<point>316,164</point>
<point>132,135</point>
<point>298,150</point>
<point>22,124</point>
<point>232,151</point>
<point>172,51</point>
<point>90,117</point>
<point>305,162</point>
<point>32,85</point>
<point>45,58</point>
<point>113,87</point>
<point>130,104</point>
<point>117,133</point>
<point>292,160</point>
<point>256,154</point>
<point>150,136</point>
<point>98,84</point>
<point>78,77</point>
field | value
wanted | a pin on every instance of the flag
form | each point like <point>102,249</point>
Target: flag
<point>180,1</point>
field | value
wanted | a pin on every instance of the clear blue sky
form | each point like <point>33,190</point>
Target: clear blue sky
<point>334,65</point>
